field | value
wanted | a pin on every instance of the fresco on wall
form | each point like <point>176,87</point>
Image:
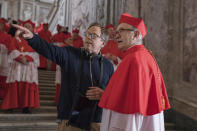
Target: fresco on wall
<point>190,42</point>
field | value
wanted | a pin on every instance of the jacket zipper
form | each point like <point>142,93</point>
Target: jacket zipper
<point>91,70</point>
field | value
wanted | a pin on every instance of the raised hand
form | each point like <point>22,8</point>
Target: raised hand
<point>24,32</point>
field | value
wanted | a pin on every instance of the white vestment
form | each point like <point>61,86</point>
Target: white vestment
<point>114,121</point>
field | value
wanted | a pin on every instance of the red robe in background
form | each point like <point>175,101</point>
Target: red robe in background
<point>78,43</point>
<point>5,41</point>
<point>22,79</point>
<point>7,27</point>
<point>40,28</point>
<point>137,85</point>
<point>58,37</point>
<point>47,36</point>
<point>112,48</point>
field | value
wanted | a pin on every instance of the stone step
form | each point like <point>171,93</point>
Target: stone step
<point>45,71</point>
<point>42,109</point>
<point>47,97</point>
<point>47,88</point>
<point>47,103</point>
<point>44,82</point>
<point>34,126</point>
<point>45,109</point>
<point>5,118</point>
<point>46,74</point>
<point>46,77</point>
<point>49,76</point>
<point>46,85</point>
<point>170,126</point>
<point>47,93</point>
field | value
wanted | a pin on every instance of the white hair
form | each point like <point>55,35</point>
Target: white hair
<point>139,40</point>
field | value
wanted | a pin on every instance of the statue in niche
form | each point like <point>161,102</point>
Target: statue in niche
<point>27,13</point>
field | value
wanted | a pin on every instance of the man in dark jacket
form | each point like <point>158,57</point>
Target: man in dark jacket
<point>78,111</point>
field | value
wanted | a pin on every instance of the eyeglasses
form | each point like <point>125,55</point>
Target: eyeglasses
<point>91,35</point>
<point>122,30</point>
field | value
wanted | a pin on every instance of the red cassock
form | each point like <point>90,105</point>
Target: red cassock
<point>5,40</point>
<point>112,48</point>
<point>59,37</point>
<point>47,36</point>
<point>22,79</point>
<point>137,86</point>
<point>7,27</point>
<point>58,79</point>
<point>78,43</point>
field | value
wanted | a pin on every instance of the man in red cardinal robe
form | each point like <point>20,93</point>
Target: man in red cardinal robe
<point>6,24</point>
<point>59,36</point>
<point>22,79</point>
<point>77,39</point>
<point>47,36</point>
<point>67,42</point>
<point>111,50</point>
<point>135,97</point>
<point>5,40</point>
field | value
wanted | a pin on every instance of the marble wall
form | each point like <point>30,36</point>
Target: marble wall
<point>190,39</point>
<point>156,20</point>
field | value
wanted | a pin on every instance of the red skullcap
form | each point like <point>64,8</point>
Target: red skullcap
<point>109,26</point>
<point>136,22</point>
<point>75,31</point>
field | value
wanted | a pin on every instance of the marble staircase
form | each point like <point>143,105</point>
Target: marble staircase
<point>43,119</point>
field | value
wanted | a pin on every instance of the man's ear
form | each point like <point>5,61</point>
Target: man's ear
<point>136,34</point>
